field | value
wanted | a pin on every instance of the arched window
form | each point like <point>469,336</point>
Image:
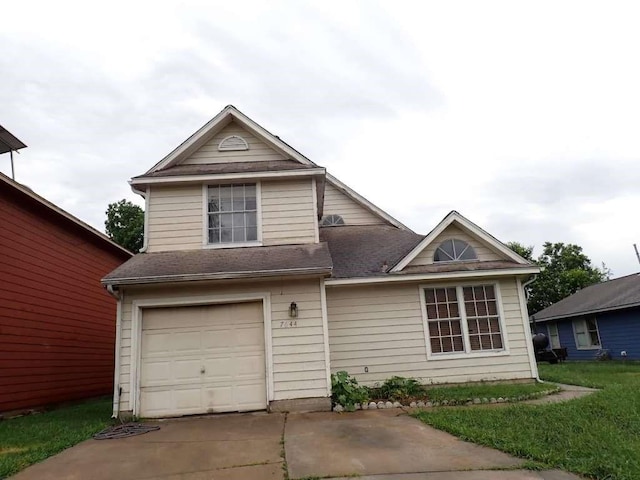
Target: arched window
<point>454,250</point>
<point>332,220</point>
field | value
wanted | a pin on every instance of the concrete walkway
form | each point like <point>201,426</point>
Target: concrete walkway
<point>567,392</point>
<point>372,444</point>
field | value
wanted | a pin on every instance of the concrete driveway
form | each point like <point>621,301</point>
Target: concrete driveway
<point>383,444</point>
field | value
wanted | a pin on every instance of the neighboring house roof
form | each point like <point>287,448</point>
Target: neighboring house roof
<point>366,250</point>
<point>466,225</point>
<point>53,211</point>
<point>623,292</point>
<point>8,142</point>
<point>223,263</point>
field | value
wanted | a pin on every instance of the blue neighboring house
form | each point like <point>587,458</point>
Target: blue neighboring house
<point>605,316</point>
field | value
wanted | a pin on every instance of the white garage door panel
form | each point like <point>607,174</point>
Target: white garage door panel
<point>202,359</point>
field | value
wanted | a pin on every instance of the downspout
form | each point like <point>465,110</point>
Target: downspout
<point>117,390</point>
<point>145,195</point>
<point>525,311</point>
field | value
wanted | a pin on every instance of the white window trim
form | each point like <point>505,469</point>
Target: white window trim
<point>136,334</point>
<point>205,219</point>
<point>468,353</point>
<point>557,334</point>
<point>575,334</point>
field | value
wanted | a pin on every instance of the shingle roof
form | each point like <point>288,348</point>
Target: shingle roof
<point>363,250</point>
<point>615,294</point>
<point>224,263</point>
<point>234,167</point>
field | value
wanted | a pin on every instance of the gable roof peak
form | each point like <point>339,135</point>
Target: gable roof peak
<point>469,226</point>
<point>222,119</point>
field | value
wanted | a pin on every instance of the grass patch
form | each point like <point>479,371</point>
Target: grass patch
<point>597,436</point>
<point>30,439</point>
<point>505,390</point>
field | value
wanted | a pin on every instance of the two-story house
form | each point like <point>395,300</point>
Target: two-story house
<point>262,274</point>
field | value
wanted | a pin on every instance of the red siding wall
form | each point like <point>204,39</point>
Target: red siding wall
<point>57,322</point>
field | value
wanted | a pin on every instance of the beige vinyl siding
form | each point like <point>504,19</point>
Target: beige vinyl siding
<point>258,150</point>
<point>175,218</point>
<point>484,253</point>
<point>336,202</point>
<point>288,213</point>
<point>381,328</point>
<point>298,352</point>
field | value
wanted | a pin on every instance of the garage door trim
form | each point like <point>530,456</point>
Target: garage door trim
<point>136,332</point>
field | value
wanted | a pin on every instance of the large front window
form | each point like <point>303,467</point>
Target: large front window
<point>232,213</point>
<point>463,319</point>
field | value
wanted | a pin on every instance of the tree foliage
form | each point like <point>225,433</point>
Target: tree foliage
<point>565,270</point>
<point>125,225</point>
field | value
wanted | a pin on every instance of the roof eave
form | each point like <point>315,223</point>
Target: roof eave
<point>393,278</point>
<point>584,312</point>
<point>273,174</point>
<point>311,271</point>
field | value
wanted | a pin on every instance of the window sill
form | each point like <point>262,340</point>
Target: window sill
<point>232,245</point>
<point>460,355</point>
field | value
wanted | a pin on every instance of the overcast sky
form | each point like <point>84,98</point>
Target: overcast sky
<point>523,116</point>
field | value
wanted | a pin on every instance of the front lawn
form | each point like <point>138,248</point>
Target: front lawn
<point>30,439</point>
<point>597,436</point>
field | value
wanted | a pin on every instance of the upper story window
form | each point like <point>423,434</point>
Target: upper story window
<point>454,250</point>
<point>232,213</point>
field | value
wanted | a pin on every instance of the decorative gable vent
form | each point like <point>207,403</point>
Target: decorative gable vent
<point>233,143</point>
<point>332,220</point>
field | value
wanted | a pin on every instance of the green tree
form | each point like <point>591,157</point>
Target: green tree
<point>520,249</point>
<point>125,225</point>
<point>565,270</point>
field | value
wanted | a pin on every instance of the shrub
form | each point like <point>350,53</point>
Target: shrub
<point>400,388</point>
<point>346,391</point>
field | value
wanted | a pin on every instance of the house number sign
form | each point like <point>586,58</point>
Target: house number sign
<point>288,323</point>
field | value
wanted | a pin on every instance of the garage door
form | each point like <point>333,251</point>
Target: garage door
<point>202,359</point>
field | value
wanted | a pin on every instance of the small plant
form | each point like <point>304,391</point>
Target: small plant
<point>346,391</point>
<point>401,388</point>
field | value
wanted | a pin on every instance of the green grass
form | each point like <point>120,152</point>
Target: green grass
<point>504,390</point>
<point>30,439</point>
<point>597,436</point>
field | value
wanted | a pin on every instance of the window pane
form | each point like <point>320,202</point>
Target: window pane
<point>451,294</point>
<point>475,342</point>
<point>238,220</point>
<point>226,220</point>
<point>445,328</point>
<point>252,234</point>
<point>455,328</point>
<point>458,247</point>
<point>492,307</point>
<point>490,292</point>
<point>430,295</point>
<point>453,310</point>
<point>214,235</point>
<point>214,205</point>
<point>441,295</point>
<point>478,292</point>
<point>250,203</point>
<point>482,308</point>
<point>468,293</point>
<point>431,312</point>
<point>468,254</point>
<point>214,221</point>
<point>497,340</point>
<point>470,308</point>
<point>435,345</point>
<point>443,311</point>
<point>447,344</point>
<point>485,342</point>
<point>457,344</point>
<point>238,234</point>
<point>226,235</point>
<point>250,219</point>
<point>433,329</point>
